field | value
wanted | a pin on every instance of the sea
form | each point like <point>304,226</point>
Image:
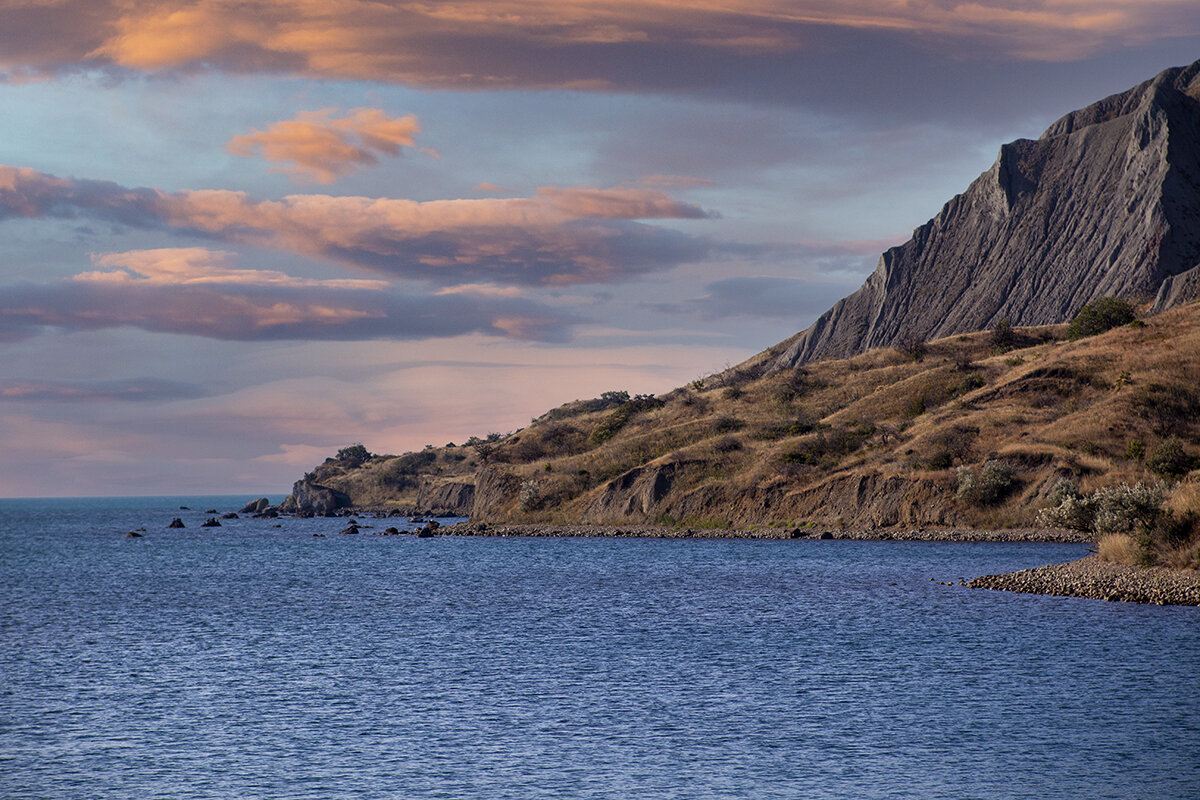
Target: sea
<point>263,660</point>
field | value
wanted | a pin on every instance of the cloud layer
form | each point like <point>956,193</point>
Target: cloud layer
<point>320,147</point>
<point>506,43</point>
<point>559,236</point>
<point>195,293</point>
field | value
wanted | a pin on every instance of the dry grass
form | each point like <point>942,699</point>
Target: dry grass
<point>1049,408</point>
<point>1119,548</point>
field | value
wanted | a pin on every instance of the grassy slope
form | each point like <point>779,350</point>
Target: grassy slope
<point>872,440</point>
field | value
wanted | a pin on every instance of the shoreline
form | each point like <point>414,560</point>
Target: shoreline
<point>1089,577</point>
<point>918,534</point>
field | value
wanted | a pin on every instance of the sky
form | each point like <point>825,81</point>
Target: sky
<point>238,235</point>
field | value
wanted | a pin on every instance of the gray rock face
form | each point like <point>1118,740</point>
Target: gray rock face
<point>453,498</point>
<point>1105,203</point>
<point>315,499</point>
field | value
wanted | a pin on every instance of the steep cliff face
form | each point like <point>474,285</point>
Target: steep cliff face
<point>1105,203</point>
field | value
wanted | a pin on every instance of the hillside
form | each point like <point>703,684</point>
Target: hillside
<point>881,439</point>
<point>1104,203</point>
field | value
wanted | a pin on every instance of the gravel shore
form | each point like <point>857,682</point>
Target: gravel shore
<point>891,534</point>
<point>1101,580</point>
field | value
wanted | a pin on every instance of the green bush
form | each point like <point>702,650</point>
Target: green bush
<point>1110,509</point>
<point>992,484</point>
<point>1169,458</point>
<point>352,456</point>
<point>1135,450</point>
<point>1099,316</point>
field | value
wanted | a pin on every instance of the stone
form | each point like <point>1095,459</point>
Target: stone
<point>320,500</point>
<point>177,523</point>
<point>211,522</point>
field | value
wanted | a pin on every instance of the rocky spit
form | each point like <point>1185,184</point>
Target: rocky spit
<point>1101,580</point>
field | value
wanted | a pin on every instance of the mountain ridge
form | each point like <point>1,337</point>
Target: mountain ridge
<point>1105,203</point>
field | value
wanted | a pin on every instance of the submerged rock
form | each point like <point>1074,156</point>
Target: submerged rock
<point>177,523</point>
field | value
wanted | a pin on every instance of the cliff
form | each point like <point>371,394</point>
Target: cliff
<point>1105,203</point>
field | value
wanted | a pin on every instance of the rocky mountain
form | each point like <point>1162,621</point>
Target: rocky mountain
<point>1105,203</point>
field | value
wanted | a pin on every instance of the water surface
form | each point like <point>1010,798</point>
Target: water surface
<point>260,661</point>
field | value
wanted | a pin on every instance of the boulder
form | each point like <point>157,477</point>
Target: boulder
<point>211,522</point>
<point>255,506</point>
<point>177,523</point>
<point>320,500</point>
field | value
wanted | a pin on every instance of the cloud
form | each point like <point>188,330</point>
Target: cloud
<point>760,297</point>
<point>559,236</point>
<point>137,390</point>
<point>322,148</point>
<point>169,291</point>
<point>592,44</point>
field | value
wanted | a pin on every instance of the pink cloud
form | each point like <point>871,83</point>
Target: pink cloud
<point>320,147</point>
<point>195,292</point>
<point>558,236</point>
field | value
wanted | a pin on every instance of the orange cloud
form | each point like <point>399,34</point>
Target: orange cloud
<point>321,147</point>
<point>196,266</point>
<point>519,43</point>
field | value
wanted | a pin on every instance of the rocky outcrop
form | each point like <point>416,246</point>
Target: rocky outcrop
<point>446,498</point>
<point>495,490</point>
<point>636,494</point>
<point>311,498</point>
<point>1105,203</point>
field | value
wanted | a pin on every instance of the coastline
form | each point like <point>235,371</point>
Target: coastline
<point>863,534</point>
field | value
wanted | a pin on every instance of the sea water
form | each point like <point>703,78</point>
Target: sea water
<point>258,660</point>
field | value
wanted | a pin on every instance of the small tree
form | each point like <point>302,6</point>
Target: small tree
<point>484,448</point>
<point>353,455</point>
<point>1099,316</point>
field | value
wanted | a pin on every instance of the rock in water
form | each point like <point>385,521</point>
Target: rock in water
<point>177,523</point>
<point>1105,203</point>
<point>211,522</point>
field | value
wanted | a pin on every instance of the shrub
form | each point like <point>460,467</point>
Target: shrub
<point>1171,409</point>
<point>1135,450</point>
<point>732,392</point>
<point>352,456</point>
<point>1003,337</point>
<point>913,347</point>
<point>530,495</point>
<point>609,426</point>
<point>1169,459</point>
<point>993,483</point>
<point>1099,316</point>
<point>726,444</point>
<point>727,424</point>
<point>1110,509</point>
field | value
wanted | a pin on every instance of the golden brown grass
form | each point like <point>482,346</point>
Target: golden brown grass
<point>1050,408</point>
<point>1119,548</point>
